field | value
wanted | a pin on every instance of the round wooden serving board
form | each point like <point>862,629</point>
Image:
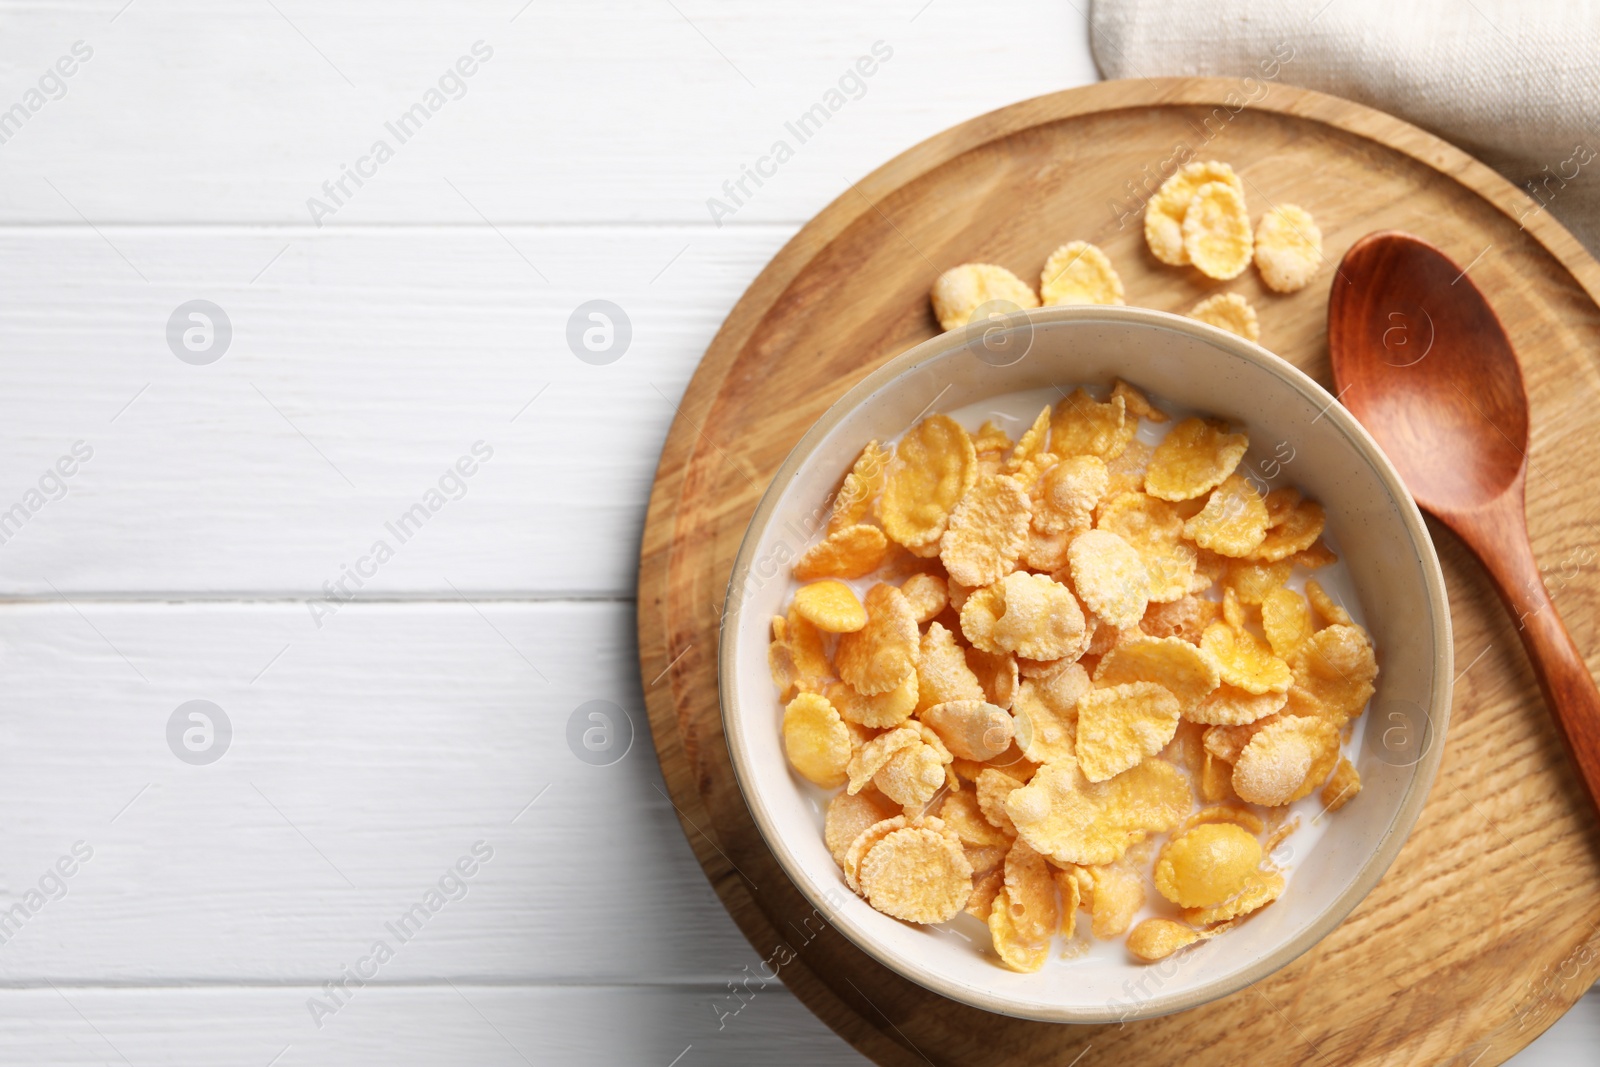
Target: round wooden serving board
<point>1487,927</point>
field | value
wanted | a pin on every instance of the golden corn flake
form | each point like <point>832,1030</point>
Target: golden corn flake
<point>1246,661</point>
<point>1030,893</point>
<point>1194,458</point>
<point>1126,473</point>
<point>1231,312</point>
<point>1294,534</point>
<point>1137,403</point>
<point>1251,580</point>
<point>927,594</point>
<point>1216,231</point>
<point>1343,785</point>
<point>1187,618</point>
<point>996,673</point>
<point>1226,742</point>
<point>986,885</point>
<point>1216,780</point>
<point>987,531</point>
<point>1165,211</point>
<point>878,712</point>
<point>933,467</point>
<point>960,291</point>
<point>1232,611</point>
<point>1046,552</point>
<point>1116,895</point>
<point>1119,726</point>
<point>871,757</point>
<point>1318,555</point>
<point>879,656</point>
<point>864,842</point>
<point>1286,760</point>
<point>854,500</point>
<point>993,786</point>
<point>849,814</point>
<point>960,812</point>
<point>1327,609</point>
<point>817,740</point>
<point>1156,939</point>
<point>1046,714</point>
<point>1155,530</point>
<point>913,774</point>
<point>971,729</point>
<point>1288,248</point>
<point>1281,503</point>
<point>1014,951</point>
<point>1332,675</point>
<point>1079,273</point>
<point>1109,576</point>
<point>1031,445</point>
<point>1207,864</point>
<point>942,671</point>
<point>1071,891</point>
<point>1286,619</point>
<point>1187,672</point>
<point>1072,820</point>
<point>797,657</point>
<point>1228,705</point>
<point>1234,520</point>
<point>1261,889</point>
<point>1068,493</point>
<point>831,605</point>
<point>851,552</point>
<point>1229,813</point>
<point>917,874</point>
<point>1028,614</point>
<point>1082,426</point>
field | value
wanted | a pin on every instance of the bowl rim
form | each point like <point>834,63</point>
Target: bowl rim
<point>1394,836</point>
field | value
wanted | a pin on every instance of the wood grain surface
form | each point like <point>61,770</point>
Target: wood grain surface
<point>1488,925</point>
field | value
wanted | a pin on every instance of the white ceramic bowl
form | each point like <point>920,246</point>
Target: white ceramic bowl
<point>1373,523</point>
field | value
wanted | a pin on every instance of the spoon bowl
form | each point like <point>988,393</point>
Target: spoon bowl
<point>1421,359</point>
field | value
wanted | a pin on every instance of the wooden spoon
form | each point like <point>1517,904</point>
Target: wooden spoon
<point>1420,358</point>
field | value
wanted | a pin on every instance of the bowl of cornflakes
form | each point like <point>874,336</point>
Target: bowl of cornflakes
<point>1085,664</point>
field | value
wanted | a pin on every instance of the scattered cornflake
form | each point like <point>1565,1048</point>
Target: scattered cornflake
<point>1288,248</point>
<point>1156,939</point>
<point>879,711</point>
<point>942,671</point>
<point>1231,312</point>
<point>928,595</point>
<point>1079,273</point>
<point>1216,231</point>
<point>960,291</point>
<point>1165,211</point>
<point>1187,618</point>
<point>1228,705</point>
<point>1251,580</point>
<point>1031,893</point>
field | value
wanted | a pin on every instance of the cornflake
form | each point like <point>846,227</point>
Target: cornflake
<point>960,291</point>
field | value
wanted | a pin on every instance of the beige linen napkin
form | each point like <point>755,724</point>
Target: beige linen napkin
<point>1514,82</point>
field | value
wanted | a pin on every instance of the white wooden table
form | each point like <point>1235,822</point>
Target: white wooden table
<point>390,713</point>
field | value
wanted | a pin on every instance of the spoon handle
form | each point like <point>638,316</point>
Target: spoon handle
<point>1500,541</point>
